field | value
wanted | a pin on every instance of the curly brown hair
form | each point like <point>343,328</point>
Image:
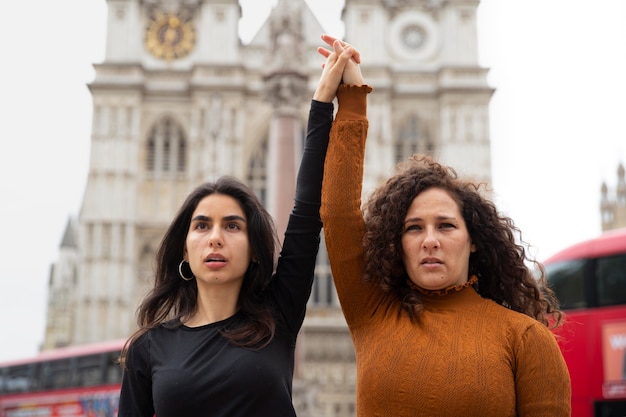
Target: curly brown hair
<point>500,262</point>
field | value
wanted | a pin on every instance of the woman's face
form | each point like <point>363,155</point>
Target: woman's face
<point>436,245</point>
<point>217,245</point>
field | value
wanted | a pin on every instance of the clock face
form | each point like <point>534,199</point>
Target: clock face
<point>168,37</point>
<point>413,36</point>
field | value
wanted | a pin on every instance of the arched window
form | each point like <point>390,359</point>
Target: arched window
<point>323,293</point>
<point>150,152</point>
<point>166,148</point>
<point>257,172</point>
<point>411,139</point>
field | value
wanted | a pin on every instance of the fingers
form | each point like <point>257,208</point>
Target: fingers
<point>338,50</point>
<point>343,53</point>
<point>345,60</point>
<point>356,56</point>
<point>332,72</point>
<point>330,40</point>
<point>324,52</point>
<point>342,65</point>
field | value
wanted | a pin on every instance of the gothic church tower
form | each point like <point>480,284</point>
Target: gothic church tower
<point>431,96</point>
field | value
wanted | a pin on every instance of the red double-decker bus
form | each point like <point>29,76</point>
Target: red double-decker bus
<point>76,381</point>
<point>589,279</point>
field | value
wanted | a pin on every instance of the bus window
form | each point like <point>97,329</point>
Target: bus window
<point>89,371</point>
<point>611,280</point>
<point>567,279</point>
<point>17,379</point>
<point>113,369</point>
<point>56,374</point>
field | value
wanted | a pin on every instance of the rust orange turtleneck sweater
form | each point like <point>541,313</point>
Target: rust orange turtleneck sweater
<point>465,356</point>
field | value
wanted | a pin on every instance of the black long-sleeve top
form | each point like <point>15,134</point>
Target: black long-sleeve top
<point>196,371</point>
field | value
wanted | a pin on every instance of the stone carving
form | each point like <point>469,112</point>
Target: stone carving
<point>184,8</point>
<point>286,84</point>
<point>285,89</point>
<point>286,33</point>
<point>428,5</point>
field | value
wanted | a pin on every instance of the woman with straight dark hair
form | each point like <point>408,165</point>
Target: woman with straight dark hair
<point>217,333</point>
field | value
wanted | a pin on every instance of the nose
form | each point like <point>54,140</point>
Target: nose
<point>215,240</point>
<point>430,239</point>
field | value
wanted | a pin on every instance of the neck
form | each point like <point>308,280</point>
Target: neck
<point>213,305</point>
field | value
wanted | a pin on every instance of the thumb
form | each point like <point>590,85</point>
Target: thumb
<point>344,54</point>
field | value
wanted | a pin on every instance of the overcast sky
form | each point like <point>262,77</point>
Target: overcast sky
<point>557,126</point>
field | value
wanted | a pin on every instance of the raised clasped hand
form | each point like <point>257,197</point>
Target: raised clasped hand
<point>352,72</point>
<point>342,65</point>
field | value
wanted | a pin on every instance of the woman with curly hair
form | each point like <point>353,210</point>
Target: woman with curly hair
<point>445,313</point>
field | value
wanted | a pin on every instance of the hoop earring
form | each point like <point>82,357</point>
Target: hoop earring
<point>180,271</point>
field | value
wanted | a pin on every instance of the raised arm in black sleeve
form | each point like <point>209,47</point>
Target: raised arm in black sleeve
<point>296,265</point>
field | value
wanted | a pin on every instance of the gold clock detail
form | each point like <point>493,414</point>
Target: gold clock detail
<point>169,37</point>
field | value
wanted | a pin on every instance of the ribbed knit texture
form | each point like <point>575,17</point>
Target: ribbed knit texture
<point>465,356</point>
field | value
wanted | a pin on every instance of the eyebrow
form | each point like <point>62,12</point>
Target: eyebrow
<point>418,219</point>
<point>203,218</point>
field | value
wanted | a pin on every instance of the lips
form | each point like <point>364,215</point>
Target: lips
<point>431,261</point>
<point>215,257</point>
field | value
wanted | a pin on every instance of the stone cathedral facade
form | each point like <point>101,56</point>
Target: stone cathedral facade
<point>179,100</point>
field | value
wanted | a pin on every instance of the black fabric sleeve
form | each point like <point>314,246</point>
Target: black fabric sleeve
<point>309,182</point>
<point>136,392</point>
<point>296,265</point>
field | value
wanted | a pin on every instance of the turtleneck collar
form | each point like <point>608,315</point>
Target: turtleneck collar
<point>451,297</point>
<point>443,291</point>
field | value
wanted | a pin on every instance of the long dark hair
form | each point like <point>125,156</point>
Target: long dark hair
<point>173,299</point>
<point>500,262</point>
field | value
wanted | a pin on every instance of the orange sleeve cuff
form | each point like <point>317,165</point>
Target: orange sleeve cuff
<point>352,100</point>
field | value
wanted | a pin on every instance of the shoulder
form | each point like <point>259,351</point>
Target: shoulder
<point>515,321</point>
<point>155,334</point>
